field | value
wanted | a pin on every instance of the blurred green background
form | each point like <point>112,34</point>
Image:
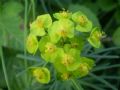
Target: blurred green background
<point>15,17</point>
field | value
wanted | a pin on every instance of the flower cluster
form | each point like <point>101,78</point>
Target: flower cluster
<point>60,42</point>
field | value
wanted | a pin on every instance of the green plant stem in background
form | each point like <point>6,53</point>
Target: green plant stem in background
<point>4,69</point>
<point>103,81</point>
<point>33,8</point>
<point>109,24</point>
<point>78,87</point>
<point>25,34</point>
<point>59,4</point>
<point>5,38</point>
<point>29,9</point>
<point>43,5</point>
<point>45,64</point>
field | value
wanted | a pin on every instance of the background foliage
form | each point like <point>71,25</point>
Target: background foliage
<point>103,13</point>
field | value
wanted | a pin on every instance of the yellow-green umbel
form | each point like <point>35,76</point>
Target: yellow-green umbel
<point>61,29</point>
<point>31,44</point>
<point>83,24</point>
<point>62,15</point>
<point>61,43</point>
<point>41,74</point>
<point>39,26</point>
<point>95,37</point>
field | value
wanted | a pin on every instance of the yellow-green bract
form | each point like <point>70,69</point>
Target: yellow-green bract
<point>31,44</point>
<point>83,24</point>
<point>41,74</point>
<point>38,26</point>
<point>61,29</point>
<point>95,38</point>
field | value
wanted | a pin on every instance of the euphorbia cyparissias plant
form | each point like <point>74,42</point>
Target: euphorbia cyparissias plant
<point>60,42</point>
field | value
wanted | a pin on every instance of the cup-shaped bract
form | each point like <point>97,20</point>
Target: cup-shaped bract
<point>68,60</point>
<point>95,37</point>
<point>61,29</point>
<point>41,74</point>
<point>86,64</point>
<point>31,44</point>
<point>49,50</point>
<point>83,24</point>
<point>39,26</point>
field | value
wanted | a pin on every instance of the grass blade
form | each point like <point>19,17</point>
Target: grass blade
<point>79,87</point>
<point>105,67</point>
<point>105,50</point>
<point>28,57</point>
<point>4,68</point>
<point>91,85</point>
<point>43,5</point>
<point>103,56</point>
<point>103,81</point>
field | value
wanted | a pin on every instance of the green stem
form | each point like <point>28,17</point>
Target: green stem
<point>25,34</point>
<point>33,8</point>
<point>78,87</point>
<point>4,69</point>
<point>5,37</point>
<point>43,5</point>
<point>109,23</point>
<point>59,4</point>
<point>45,64</point>
<point>29,9</point>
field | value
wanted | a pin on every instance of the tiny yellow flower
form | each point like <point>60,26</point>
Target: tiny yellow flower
<point>65,76</point>
<point>83,68</point>
<point>62,15</point>
<point>82,20</point>
<point>67,60</point>
<point>50,48</point>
